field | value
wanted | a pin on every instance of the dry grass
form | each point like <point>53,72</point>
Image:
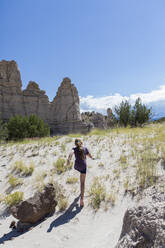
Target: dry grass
<point>72,180</point>
<point>14,198</point>
<point>97,193</point>
<point>21,168</point>
<point>14,181</point>
<point>60,166</point>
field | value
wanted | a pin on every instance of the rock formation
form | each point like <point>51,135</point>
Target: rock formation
<point>10,90</point>
<point>62,114</point>
<point>35,101</point>
<point>144,225</point>
<point>37,207</point>
<point>96,120</point>
<point>65,109</point>
<point>111,119</point>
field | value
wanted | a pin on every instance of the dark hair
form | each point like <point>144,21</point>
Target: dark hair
<point>78,144</point>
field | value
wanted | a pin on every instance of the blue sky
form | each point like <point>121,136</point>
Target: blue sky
<point>109,48</point>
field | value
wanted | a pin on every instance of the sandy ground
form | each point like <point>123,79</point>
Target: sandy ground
<point>75,227</point>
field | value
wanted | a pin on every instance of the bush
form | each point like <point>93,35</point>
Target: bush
<point>26,127</point>
<point>3,130</point>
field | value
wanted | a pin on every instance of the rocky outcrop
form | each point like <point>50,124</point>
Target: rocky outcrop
<point>96,120</point>
<point>62,114</point>
<point>35,101</point>
<point>111,119</point>
<point>10,90</point>
<point>65,109</point>
<point>144,226</point>
<point>37,207</point>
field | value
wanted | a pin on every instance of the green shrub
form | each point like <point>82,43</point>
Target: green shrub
<point>3,130</point>
<point>26,127</point>
<point>14,198</point>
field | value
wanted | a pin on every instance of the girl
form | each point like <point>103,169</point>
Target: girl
<point>80,153</point>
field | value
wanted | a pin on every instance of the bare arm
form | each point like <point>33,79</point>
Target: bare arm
<point>89,155</point>
<point>69,157</point>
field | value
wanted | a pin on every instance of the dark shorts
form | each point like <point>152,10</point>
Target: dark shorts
<point>82,171</point>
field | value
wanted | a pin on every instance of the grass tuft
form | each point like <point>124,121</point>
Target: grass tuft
<point>97,194</point>
<point>14,181</point>
<point>72,180</point>
<point>14,198</point>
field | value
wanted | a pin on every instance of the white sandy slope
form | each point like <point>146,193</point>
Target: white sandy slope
<point>74,227</point>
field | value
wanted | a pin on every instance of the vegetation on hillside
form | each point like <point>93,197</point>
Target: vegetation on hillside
<point>19,127</point>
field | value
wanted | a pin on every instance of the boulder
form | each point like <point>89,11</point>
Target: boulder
<point>37,207</point>
<point>144,226</point>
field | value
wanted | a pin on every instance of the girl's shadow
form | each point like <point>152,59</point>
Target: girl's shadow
<point>63,219</point>
<point>67,216</point>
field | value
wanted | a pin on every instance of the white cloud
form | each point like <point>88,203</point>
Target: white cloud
<point>100,104</point>
<point>153,96</point>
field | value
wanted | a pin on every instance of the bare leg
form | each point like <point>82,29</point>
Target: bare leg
<point>82,188</point>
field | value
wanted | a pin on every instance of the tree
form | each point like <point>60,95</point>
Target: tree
<point>123,113</point>
<point>140,114</point>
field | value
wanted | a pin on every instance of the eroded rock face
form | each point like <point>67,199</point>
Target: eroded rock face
<point>65,106</point>
<point>65,109</point>
<point>144,226</point>
<point>35,101</point>
<point>37,207</point>
<point>62,115</point>
<point>10,90</point>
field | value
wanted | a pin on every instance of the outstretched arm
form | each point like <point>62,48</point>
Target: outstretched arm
<point>89,155</point>
<point>69,157</point>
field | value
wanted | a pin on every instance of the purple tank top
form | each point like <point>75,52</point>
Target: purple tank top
<point>80,164</point>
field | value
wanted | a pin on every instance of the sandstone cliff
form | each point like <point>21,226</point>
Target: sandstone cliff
<point>62,114</point>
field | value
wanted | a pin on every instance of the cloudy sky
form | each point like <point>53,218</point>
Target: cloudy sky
<point>154,99</point>
<point>111,49</point>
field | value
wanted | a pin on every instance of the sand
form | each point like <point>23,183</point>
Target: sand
<point>74,227</point>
